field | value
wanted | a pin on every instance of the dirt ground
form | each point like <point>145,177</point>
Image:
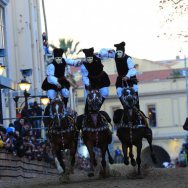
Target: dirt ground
<point>120,176</point>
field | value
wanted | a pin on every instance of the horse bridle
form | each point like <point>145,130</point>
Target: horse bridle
<point>94,99</point>
<point>128,97</point>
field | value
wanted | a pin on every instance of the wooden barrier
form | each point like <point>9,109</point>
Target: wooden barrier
<point>16,167</point>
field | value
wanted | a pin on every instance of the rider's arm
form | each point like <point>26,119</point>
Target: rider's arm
<point>131,66</point>
<point>106,53</point>
<point>84,73</point>
<point>72,62</point>
<point>50,75</point>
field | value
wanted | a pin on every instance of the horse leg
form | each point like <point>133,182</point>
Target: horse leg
<point>59,162</point>
<point>103,161</point>
<point>91,154</point>
<point>138,158</point>
<point>94,160</point>
<point>126,159</point>
<point>72,157</point>
<point>111,160</point>
<point>149,138</point>
<point>133,162</point>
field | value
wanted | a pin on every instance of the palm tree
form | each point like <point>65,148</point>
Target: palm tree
<point>69,48</point>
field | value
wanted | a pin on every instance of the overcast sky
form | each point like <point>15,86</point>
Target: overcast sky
<point>102,23</point>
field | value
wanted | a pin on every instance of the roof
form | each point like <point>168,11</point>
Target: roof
<point>146,76</point>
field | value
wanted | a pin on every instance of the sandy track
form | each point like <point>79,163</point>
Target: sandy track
<point>120,176</point>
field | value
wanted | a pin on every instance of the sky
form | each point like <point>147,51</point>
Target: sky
<point>103,23</point>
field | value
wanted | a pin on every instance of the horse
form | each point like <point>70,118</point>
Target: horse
<point>63,135</point>
<point>96,131</point>
<point>132,127</point>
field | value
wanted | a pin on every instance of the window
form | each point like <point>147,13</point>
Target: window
<point>2,36</point>
<point>2,28</point>
<point>152,115</point>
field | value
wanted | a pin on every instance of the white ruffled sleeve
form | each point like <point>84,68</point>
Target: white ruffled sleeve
<point>50,74</point>
<point>84,73</point>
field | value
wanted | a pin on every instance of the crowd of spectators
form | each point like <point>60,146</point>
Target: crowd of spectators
<point>23,136</point>
<point>19,139</point>
<point>182,159</point>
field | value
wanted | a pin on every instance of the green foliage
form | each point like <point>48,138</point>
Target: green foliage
<point>70,49</point>
<point>176,74</point>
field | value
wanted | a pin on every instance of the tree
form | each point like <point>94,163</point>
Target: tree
<point>174,18</point>
<point>70,49</point>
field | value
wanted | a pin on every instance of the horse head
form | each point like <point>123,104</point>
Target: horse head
<point>94,100</point>
<point>128,98</point>
<point>57,107</point>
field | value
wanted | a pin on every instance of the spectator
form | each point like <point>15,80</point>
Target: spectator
<point>44,37</point>
<point>118,155</point>
<point>20,126</point>
<point>37,111</point>
<point>46,48</point>
<point>1,144</point>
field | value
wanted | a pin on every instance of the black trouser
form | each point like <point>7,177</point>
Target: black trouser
<point>137,104</point>
<point>65,101</point>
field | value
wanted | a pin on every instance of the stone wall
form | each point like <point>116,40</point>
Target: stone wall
<point>16,167</point>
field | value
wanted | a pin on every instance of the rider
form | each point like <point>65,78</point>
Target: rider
<point>125,68</point>
<point>56,79</point>
<point>126,71</point>
<point>93,75</point>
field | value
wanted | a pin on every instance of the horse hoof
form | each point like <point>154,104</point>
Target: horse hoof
<point>126,161</point>
<point>90,174</point>
<point>95,163</point>
<point>111,161</point>
<point>133,162</point>
<point>64,178</point>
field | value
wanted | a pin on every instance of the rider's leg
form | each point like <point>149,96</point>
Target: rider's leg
<point>65,100</point>
<point>119,94</point>
<point>65,94</point>
<point>137,102</point>
<point>104,92</point>
<point>51,95</point>
<point>135,87</point>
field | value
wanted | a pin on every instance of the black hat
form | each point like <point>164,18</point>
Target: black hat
<point>120,46</point>
<point>58,52</point>
<point>88,52</point>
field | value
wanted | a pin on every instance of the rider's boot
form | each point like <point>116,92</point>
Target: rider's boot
<point>65,101</point>
<point>103,99</point>
<point>86,108</point>
<point>121,100</point>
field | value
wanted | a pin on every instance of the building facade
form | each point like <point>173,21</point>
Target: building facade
<point>22,40</point>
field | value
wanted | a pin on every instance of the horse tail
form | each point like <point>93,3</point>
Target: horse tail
<point>149,138</point>
<point>111,160</point>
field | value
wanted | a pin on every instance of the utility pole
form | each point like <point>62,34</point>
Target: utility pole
<point>45,21</point>
<point>186,81</point>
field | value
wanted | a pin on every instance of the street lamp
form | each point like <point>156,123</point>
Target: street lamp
<point>25,86</point>
<point>44,100</point>
<point>2,68</point>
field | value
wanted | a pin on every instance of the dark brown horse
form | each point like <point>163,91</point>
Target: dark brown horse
<point>63,135</point>
<point>95,131</point>
<point>132,127</point>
